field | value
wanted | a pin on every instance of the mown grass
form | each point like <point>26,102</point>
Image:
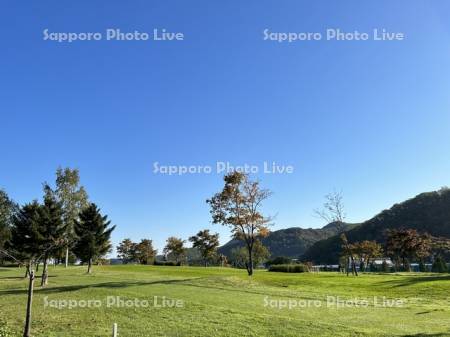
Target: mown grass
<point>226,302</point>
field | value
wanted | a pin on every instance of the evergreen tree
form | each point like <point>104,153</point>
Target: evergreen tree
<point>439,265</point>
<point>25,236</point>
<point>93,232</point>
<point>7,210</point>
<point>51,229</point>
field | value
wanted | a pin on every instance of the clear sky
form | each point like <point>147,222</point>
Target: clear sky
<point>370,118</point>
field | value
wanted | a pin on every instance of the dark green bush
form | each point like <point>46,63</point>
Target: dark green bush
<point>439,265</point>
<point>167,263</point>
<point>362,266</point>
<point>289,268</point>
<point>422,267</point>
<point>279,260</point>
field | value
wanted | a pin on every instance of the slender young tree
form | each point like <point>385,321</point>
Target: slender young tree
<point>94,232</point>
<point>206,243</point>
<point>74,199</point>
<point>333,212</point>
<point>238,206</point>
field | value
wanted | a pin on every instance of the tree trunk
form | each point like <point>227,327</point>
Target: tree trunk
<point>67,257</point>
<point>250,262</point>
<point>354,271</point>
<point>27,330</point>
<point>89,266</point>
<point>27,270</point>
<point>44,278</point>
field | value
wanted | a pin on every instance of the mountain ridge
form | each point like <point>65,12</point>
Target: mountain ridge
<point>426,212</point>
<point>290,242</point>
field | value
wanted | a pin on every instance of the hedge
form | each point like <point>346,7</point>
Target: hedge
<point>167,263</point>
<point>289,268</point>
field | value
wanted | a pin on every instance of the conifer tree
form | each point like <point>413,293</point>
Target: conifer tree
<point>25,237</point>
<point>51,229</point>
<point>93,231</point>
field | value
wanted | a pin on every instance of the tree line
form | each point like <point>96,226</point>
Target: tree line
<point>67,226</point>
<point>204,242</point>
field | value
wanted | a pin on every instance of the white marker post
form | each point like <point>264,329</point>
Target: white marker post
<point>114,330</point>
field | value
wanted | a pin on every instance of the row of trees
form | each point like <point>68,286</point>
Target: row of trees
<point>175,250</point>
<point>64,223</point>
<point>402,246</point>
<point>132,252</point>
<point>407,245</point>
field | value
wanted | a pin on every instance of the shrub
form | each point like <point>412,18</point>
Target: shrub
<point>167,263</point>
<point>439,265</point>
<point>362,266</point>
<point>289,268</point>
<point>279,260</point>
<point>422,267</point>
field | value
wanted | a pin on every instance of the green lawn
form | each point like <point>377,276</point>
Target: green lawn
<point>225,302</point>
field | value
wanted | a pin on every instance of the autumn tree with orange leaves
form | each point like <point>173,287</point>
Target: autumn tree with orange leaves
<point>238,206</point>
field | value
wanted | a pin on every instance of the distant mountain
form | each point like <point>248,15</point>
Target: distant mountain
<point>427,212</point>
<point>290,242</point>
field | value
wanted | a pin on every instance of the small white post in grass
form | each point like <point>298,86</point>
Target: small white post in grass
<point>114,330</point>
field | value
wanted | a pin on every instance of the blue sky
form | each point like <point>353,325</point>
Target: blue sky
<point>370,118</point>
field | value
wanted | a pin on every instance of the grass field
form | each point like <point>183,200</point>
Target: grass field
<point>225,302</point>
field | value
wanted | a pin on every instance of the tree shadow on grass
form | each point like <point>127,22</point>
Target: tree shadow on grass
<point>19,278</point>
<point>442,334</point>
<point>112,285</point>
<point>412,280</point>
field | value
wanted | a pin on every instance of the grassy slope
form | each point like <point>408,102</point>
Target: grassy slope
<point>225,302</point>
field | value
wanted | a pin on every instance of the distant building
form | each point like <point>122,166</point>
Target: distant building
<point>379,261</point>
